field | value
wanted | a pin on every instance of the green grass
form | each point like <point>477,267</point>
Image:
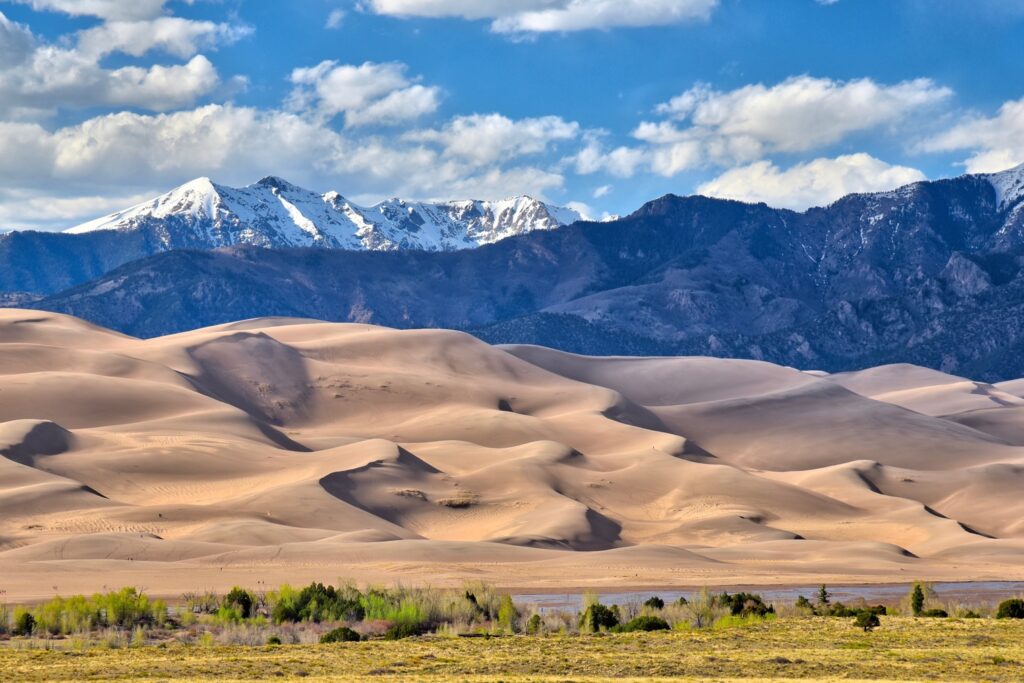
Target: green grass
<point>808,648</point>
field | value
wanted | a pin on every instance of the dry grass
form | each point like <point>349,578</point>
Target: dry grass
<point>790,648</point>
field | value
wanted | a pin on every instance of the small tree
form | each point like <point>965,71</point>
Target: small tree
<point>1011,609</point>
<point>24,622</point>
<point>917,600</point>
<point>240,599</point>
<point>507,614</point>
<point>654,603</point>
<point>867,620</point>
<point>824,598</point>
<point>703,609</point>
<point>534,625</point>
<point>596,618</point>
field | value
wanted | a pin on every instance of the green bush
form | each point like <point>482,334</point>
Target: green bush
<point>342,634</point>
<point>644,623</point>
<point>317,602</point>
<point>274,640</point>
<point>1011,609</point>
<point>534,625</point>
<point>654,603</point>
<point>917,599</point>
<point>934,613</point>
<point>402,630</point>
<point>867,620</point>
<point>597,617</point>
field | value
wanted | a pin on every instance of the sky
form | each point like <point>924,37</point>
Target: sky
<point>596,104</point>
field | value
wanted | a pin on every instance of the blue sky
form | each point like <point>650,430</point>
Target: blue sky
<point>602,104</point>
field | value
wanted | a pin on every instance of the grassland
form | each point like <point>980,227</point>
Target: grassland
<point>809,648</point>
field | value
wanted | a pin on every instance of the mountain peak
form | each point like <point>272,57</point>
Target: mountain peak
<point>1008,184</point>
<point>273,212</point>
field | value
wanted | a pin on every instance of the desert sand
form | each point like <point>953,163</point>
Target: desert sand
<point>283,450</point>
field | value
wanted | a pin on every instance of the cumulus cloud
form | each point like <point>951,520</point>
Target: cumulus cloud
<point>174,35</point>
<point>126,10</point>
<point>38,78</point>
<point>996,142</point>
<point>487,138</point>
<point>543,16</point>
<point>366,94</point>
<point>812,183</point>
<point>705,127</point>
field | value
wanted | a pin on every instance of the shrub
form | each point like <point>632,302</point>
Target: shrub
<point>342,634</point>
<point>654,603</point>
<point>804,604</point>
<point>934,613</point>
<point>274,640</point>
<point>24,622</point>
<point>317,602</point>
<point>744,604</point>
<point>597,617</point>
<point>1011,609</point>
<point>534,625</point>
<point>703,609</point>
<point>402,630</point>
<point>823,596</point>
<point>867,620</point>
<point>644,623</point>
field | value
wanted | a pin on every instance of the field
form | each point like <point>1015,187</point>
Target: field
<point>904,648</point>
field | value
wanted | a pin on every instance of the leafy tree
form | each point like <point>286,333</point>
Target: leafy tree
<point>242,600</point>
<point>534,625</point>
<point>507,613</point>
<point>867,620</point>
<point>823,596</point>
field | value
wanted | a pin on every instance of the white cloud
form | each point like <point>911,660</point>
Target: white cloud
<point>812,183</point>
<point>704,127</point>
<point>602,191</point>
<point>798,114</point>
<point>541,16</point>
<point>366,94</point>
<point>335,19</point>
<point>174,35</point>
<point>127,10</point>
<point>997,142</point>
<point>487,138</point>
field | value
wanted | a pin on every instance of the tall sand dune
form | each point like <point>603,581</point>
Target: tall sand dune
<point>290,450</point>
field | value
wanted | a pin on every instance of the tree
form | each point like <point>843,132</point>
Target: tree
<point>24,623</point>
<point>597,617</point>
<point>823,596</point>
<point>240,599</point>
<point>655,603</point>
<point>867,620</point>
<point>507,613</point>
<point>917,599</point>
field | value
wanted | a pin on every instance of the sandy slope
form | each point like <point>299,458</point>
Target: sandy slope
<point>288,450</point>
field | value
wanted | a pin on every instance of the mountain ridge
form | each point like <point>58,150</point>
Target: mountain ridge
<point>270,213</point>
<point>931,273</point>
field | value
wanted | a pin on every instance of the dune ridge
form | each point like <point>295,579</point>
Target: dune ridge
<point>288,450</point>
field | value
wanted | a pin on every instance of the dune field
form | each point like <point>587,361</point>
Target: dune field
<point>280,450</point>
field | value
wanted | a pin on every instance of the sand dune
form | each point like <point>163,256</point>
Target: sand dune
<point>290,450</point>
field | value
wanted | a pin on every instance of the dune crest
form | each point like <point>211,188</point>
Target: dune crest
<point>282,449</point>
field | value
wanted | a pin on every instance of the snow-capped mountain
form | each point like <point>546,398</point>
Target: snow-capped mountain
<point>275,213</point>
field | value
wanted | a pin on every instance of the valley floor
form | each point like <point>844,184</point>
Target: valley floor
<point>904,649</point>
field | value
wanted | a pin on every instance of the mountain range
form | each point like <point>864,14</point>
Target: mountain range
<point>930,273</point>
<point>270,213</point>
